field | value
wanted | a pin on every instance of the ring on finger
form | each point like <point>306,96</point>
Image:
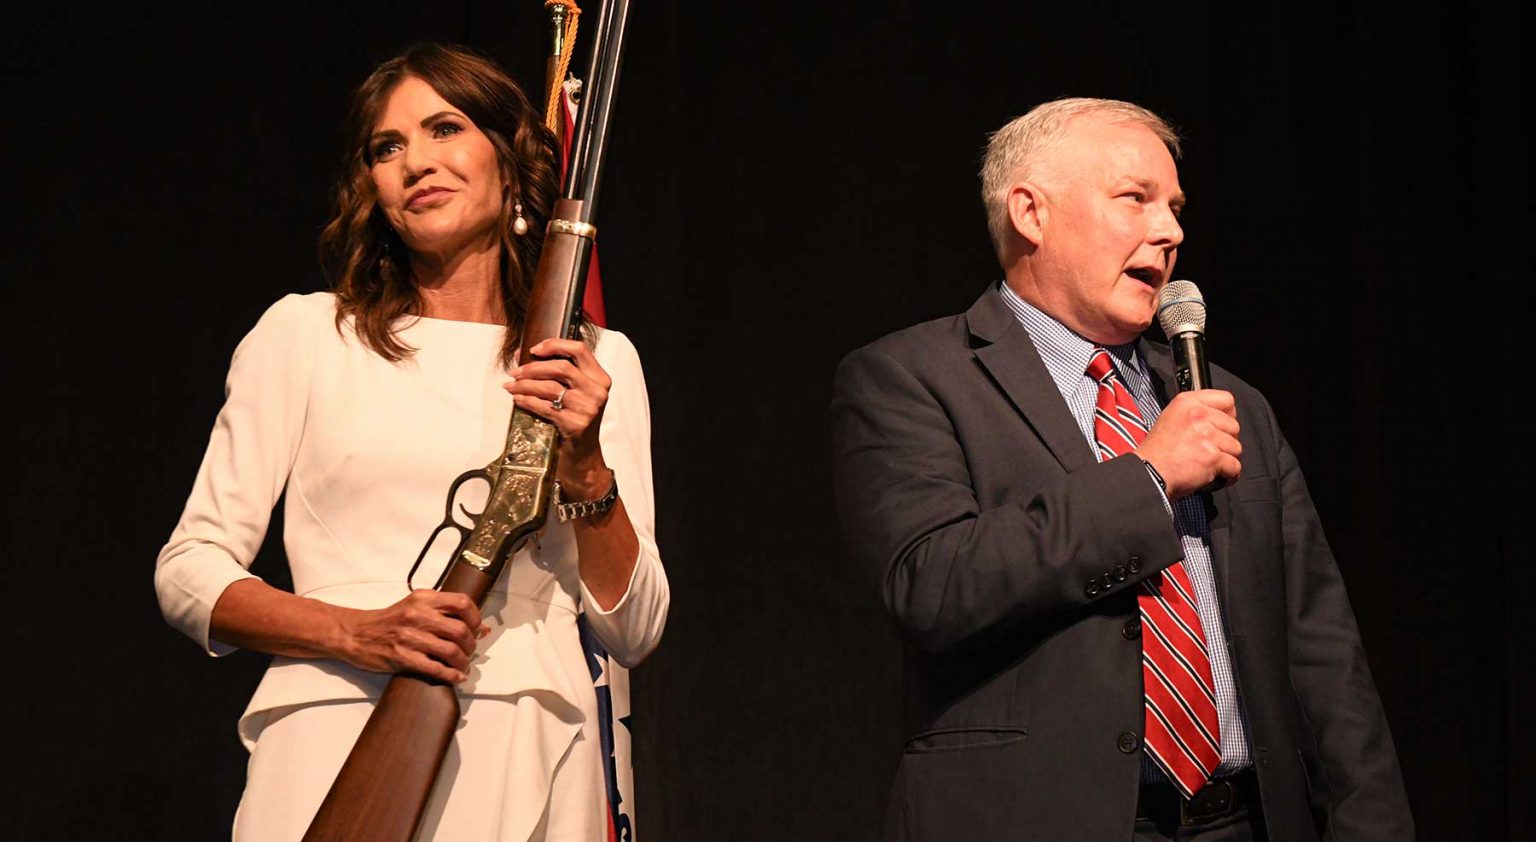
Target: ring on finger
<point>559,402</point>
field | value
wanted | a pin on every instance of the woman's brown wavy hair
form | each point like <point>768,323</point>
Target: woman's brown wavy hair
<point>366,262</point>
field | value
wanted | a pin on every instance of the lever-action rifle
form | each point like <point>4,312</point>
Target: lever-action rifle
<point>383,787</point>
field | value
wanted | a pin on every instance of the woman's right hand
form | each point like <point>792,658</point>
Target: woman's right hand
<point>428,632</point>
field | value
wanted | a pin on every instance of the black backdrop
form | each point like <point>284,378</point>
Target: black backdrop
<point>786,182</point>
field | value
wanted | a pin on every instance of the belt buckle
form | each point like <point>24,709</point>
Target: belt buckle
<point>1214,800</point>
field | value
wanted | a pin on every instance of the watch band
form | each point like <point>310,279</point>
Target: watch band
<point>1162,483</point>
<point>567,511</point>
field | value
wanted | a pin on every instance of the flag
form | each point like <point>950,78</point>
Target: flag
<point>610,681</point>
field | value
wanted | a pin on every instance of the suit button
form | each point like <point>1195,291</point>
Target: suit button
<point>1134,565</point>
<point>1120,572</point>
<point>1129,743</point>
<point>1105,582</point>
<point>1093,588</point>
<point>1132,630</point>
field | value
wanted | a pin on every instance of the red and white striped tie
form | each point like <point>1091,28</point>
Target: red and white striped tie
<point>1183,732</point>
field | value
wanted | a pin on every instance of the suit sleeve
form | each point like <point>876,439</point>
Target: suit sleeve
<point>948,569</point>
<point>1332,680</point>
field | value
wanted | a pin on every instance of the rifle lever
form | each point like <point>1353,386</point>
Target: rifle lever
<point>449,523</point>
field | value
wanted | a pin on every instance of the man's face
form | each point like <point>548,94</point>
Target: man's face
<point>1109,229</point>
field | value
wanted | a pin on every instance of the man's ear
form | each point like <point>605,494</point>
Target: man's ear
<point>1026,211</point>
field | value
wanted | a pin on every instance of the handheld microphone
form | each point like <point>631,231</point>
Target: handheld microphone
<point>1181,312</point>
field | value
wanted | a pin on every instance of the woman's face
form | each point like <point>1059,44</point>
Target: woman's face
<point>438,180</point>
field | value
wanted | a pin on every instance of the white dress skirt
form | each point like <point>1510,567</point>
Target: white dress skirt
<point>302,749</point>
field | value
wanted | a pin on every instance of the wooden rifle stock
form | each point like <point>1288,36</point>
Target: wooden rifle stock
<point>381,793</point>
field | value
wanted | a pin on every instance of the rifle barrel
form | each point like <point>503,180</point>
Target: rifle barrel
<point>596,112</point>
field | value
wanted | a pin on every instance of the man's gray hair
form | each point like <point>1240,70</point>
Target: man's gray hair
<point>1014,149</point>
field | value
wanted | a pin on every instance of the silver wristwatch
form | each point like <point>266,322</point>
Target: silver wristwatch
<point>568,512</point>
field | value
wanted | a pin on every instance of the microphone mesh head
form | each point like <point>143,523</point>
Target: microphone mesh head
<point>1181,309</point>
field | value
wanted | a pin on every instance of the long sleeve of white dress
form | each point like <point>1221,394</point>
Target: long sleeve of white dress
<point>250,454</point>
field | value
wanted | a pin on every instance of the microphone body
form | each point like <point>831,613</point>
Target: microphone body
<point>1190,368</point>
<point>1181,313</point>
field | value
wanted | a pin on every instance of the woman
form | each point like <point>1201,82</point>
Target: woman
<point>364,404</point>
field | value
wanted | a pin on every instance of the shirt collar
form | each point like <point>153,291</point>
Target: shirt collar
<point>1064,352</point>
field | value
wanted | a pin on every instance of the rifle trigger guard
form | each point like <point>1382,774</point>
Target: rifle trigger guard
<point>449,523</point>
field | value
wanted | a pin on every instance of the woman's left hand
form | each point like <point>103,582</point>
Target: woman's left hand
<point>568,375</point>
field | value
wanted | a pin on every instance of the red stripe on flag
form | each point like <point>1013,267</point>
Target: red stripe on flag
<point>592,300</point>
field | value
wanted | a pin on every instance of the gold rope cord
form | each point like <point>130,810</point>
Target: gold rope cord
<point>554,102</point>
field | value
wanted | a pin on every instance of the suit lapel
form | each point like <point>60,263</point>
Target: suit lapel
<point>1218,505</point>
<point>1009,357</point>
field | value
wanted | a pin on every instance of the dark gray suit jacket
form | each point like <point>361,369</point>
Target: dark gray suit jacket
<point>964,484</point>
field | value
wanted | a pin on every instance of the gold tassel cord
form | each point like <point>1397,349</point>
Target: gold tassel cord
<point>554,102</point>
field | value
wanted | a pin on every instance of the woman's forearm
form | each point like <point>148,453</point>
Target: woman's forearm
<point>252,614</point>
<point>428,632</point>
<point>607,546</point>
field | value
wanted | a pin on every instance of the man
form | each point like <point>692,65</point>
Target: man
<point>1103,648</point>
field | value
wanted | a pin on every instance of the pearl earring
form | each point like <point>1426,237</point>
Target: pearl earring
<point>519,224</point>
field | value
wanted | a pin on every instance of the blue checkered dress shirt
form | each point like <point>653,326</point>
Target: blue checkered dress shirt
<point>1066,357</point>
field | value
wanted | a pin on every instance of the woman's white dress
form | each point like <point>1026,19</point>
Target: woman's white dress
<point>367,450</point>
